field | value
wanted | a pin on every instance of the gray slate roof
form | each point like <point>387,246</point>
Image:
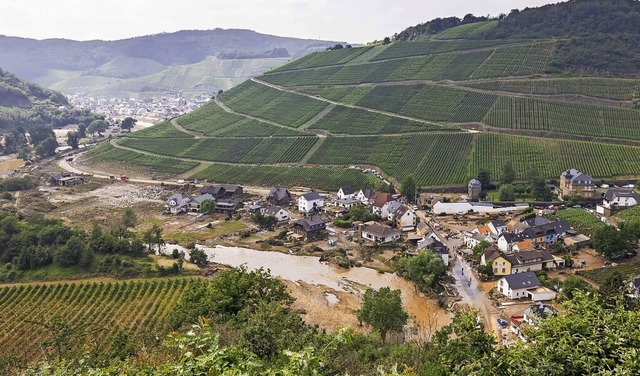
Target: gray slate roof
<point>272,210</point>
<point>379,230</point>
<point>541,310</point>
<point>310,196</point>
<point>526,280</point>
<point>278,193</point>
<point>612,193</point>
<point>475,183</point>
<point>347,190</point>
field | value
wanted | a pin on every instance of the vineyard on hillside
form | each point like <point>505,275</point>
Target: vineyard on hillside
<point>160,166</point>
<point>608,88</point>
<point>213,120</point>
<point>261,101</point>
<point>161,130</point>
<point>344,120</point>
<point>98,310</point>
<point>237,150</point>
<point>515,60</point>
<point>329,179</point>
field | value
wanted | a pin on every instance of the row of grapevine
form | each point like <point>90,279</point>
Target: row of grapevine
<point>261,101</point>
<point>428,102</point>
<point>127,159</point>
<point>344,120</point>
<point>433,159</point>
<point>213,120</point>
<point>564,117</point>
<point>99,308</point>
<point>164,130</point>
<point>447,66</point>
<point>552,156</point>
<point>467,31</point>
<point>407,49</point>
<point>236,150</point>
<point>330,179</point>
<point>324,58</point>
<point>609,88</point>
<point>516,60</point>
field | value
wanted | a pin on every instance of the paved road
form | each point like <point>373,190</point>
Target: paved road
<point>462,273</point>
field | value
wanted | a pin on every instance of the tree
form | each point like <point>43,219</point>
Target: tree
<point>264,221</point>
<point>198,257</point>
<point>24,153</point>
<point>484,177</point>
<point>611,289</point>
<point>508,173</point>
<point>479,248</point>
<point>127,221</point>
<point>386,40</point>
<point>408,188</point>
<point>128,123</point>
<point>47,148</point>
<point>383,311</point>
<point>72,252</point>
<point>153,236</point>
<point>97,126</point>
<point>507,193</point>
<point>208,206</point>
<point>573,284</point>
<point>82,130</point>
<point>73,140</point>
<point>425,269</point>
<point>614,243</point>
<point>40,133</point>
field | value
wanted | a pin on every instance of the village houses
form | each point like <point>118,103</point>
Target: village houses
<point>310,201</point>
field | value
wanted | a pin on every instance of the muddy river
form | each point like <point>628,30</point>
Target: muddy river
<point>309,269</point>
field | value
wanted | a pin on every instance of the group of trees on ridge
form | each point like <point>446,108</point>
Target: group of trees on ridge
<point>594,36</point>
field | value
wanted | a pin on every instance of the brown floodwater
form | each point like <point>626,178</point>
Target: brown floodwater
<point>309,269</point>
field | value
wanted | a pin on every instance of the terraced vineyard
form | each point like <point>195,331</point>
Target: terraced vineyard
<point>400,107</point>
<point>100,308</point>
<point>345,120</point>
<point>615,89</point>
<point>125,159</point>
<point>330,179</point>
<point>237,150</point>
<point>581,220</point>
<point>266,103</point>
<point>565,117</point>
<point>213,120</point>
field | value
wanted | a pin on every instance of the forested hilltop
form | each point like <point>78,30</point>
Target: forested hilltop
<point>595,36</point>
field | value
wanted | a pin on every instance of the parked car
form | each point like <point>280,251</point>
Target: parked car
<point>502,322</point>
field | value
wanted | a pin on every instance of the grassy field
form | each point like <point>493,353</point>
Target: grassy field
<point>467,31</point>
<point>98,308</point>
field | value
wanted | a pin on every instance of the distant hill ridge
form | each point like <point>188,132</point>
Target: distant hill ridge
<point>106,65</point>
<point>440,108</point>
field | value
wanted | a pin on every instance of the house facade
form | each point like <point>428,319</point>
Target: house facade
<point>280,214</point>
<point>366,195</point>
<point>405,218</point>
<point>194,204</point>
<point>177,204</point>
<point>310,228</point>
<point>380,233</point>
<point>517,286</point>
<point>620,197</point>
<point>310,201</point>
<point>576,183</point>
<point>279,196</point>
<point>346,192</point>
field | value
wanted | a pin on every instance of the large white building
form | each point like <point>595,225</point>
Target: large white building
<point>310,201</point>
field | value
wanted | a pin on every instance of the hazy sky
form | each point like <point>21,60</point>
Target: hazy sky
<point>353,21</point>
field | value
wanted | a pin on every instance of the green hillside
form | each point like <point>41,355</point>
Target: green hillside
<point>193,62</point>
<point>440,108</point>
<point>25,104</point>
